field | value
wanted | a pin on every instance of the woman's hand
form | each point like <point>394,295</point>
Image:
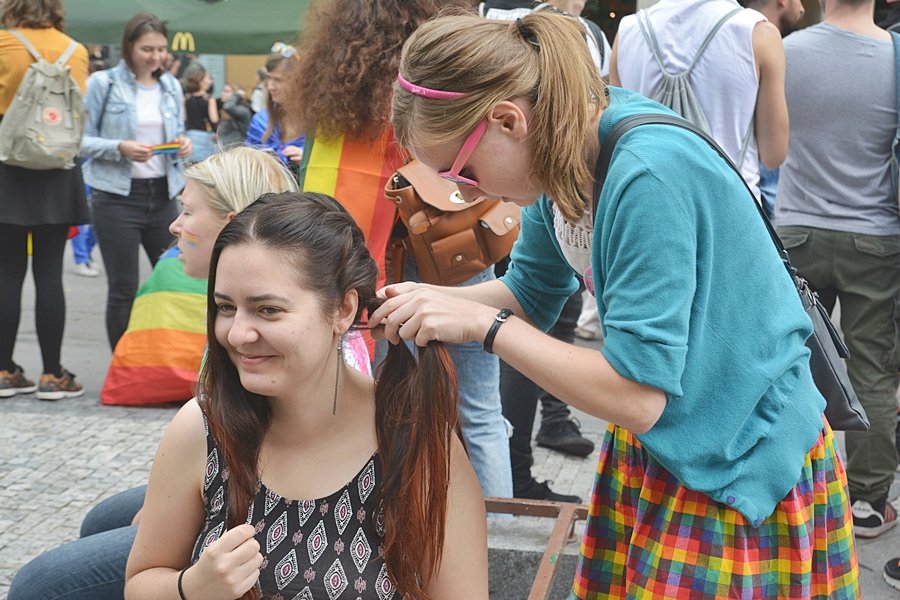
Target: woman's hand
<point>185,147</point>
<point>135,151</point>
<point>421,313</point>
<point>293,153</point>
<point>227,568</point>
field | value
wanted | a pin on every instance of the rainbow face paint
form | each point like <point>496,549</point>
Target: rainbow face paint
<point>189,238</point>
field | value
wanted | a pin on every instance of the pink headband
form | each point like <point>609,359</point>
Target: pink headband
<point>425,92</point>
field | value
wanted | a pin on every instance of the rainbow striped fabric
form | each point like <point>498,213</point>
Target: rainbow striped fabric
<point>355,172</point>
<point>167,148</point>
<point>159,356</point>
<point>648,536</point>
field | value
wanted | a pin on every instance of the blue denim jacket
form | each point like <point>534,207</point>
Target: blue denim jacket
<point>108,170</point>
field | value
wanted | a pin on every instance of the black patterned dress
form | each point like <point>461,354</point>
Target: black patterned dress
<point>321,549</point>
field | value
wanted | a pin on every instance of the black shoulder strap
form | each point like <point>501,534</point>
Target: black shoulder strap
<point>112,79</point>
<point>609,144</point>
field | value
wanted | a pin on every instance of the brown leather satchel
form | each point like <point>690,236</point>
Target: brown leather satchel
<point>450,239</point>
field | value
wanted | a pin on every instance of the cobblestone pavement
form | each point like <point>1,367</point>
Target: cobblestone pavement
<point>57,459</point>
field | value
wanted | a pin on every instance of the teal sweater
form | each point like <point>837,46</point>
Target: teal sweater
<point>695,302</point>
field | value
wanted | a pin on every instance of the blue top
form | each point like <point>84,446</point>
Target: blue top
<point>257,130</point>
<point>112,117</point>
<point>695,302</point>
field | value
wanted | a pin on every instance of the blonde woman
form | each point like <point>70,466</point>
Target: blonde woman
<point>719,475</point>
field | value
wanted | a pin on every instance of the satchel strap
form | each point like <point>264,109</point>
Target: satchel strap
<point>603,161</point>
<point>623,126</point>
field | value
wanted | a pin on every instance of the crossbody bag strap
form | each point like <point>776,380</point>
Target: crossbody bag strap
<point>609,144</point>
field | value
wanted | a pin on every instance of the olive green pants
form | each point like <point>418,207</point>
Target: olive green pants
<point>863,271</point>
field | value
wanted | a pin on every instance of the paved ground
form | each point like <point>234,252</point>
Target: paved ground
<point>58,459</point>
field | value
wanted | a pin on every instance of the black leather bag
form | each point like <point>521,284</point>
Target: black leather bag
<point>828,351</point>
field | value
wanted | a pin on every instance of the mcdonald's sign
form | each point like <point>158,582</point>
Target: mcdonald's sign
<point>183,41</point>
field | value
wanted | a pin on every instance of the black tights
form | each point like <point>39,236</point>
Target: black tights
<point>48,247</point>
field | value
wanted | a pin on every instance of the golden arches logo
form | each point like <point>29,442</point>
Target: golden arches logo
<point>183,41</point>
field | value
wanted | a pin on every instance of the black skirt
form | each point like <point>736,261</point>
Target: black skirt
<point>53,197</point>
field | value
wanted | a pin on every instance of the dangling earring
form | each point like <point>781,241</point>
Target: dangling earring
<point>337,371</point>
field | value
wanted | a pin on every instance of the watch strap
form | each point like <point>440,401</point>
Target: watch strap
<point>499,320</point>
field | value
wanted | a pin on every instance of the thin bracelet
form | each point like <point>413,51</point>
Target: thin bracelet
<point>499,320</point>
<point>181,589</point>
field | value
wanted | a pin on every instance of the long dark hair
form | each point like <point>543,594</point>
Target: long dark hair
<point>415,401</point>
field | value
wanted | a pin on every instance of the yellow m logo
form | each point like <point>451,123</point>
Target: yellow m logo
<point>183,41</point>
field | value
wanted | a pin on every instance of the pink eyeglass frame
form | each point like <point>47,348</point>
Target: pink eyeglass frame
<point>465,152</point>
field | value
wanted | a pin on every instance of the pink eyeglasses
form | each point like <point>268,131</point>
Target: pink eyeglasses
<point>465,152</point>
<point>469,144</point>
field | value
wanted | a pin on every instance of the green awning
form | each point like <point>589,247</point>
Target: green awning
<point>207,26</point>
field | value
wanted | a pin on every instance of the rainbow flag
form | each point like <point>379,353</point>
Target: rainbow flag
<point>158,358</point>
<point>354,172</point>
<point>167,148</point>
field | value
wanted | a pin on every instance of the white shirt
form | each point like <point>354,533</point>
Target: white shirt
<point>724,79</point>
<point>149,131</point>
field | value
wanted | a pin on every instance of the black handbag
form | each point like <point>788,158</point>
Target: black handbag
<point>843,409</point>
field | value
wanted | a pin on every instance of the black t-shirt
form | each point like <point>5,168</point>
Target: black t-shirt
<point>196,110</point>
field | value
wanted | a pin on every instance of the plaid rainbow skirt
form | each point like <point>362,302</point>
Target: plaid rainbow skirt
<point>648,536</point>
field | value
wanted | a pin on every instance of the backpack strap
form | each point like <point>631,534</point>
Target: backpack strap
<point>60,62</point>
<point>31,50</point>
<point>895,145</point>
<point>709,36</point>
<point>650,37</point>
<point>745,143</point>
<point>112,79</point>
<point>65,56</point>
<point>598,40</point>
<point>643,20</point>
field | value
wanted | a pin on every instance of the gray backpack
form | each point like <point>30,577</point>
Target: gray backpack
<point>43,126</point>
<point>675,89</point>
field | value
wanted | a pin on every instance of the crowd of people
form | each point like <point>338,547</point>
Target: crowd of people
<point>294,473</point>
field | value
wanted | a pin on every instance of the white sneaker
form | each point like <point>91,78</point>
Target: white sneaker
<point>85,270</point>
<point>869,522</point>
<point>586,334</point>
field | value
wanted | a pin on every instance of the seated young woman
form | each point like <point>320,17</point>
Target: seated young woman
<point>292,473</point>
<point>92,567</point>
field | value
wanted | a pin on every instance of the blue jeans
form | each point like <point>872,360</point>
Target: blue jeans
<point>83,244</point>
<point>202,144</point>
<point>91,567</point>
<point>480,413</point>
<point>768,189</point>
